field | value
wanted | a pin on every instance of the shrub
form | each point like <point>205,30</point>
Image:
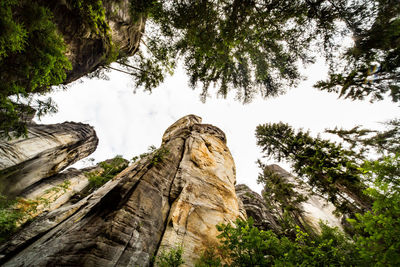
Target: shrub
<point>110,169</point>
<point>171,258</point>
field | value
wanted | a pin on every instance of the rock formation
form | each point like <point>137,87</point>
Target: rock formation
<point>174,196</point>
<point>47,150</point>
<point>88,50</point>
<point>256,207</point>
<point>314,209</point>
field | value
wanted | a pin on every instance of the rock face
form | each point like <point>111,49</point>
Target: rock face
<point>315,208</point>
<point>256,207</point>
<point>88,50</point>
<point>47,150</point>
<point>174,196</point>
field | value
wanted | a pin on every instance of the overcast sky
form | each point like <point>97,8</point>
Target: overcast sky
<point>127,123</point>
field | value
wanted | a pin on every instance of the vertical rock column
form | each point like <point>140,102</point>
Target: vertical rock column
<point>203,194</point>
<point>47,150</point>
<point>174,196</point>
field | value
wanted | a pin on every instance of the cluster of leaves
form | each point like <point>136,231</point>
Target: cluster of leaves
<point>15,212</point>
<point>377,232</point>
<point>327,166</point>
<point>255,46</point>
<point>373,61</point>
<point>92,14</point>
<point>246,45</point>
<point>171,258</point>
<point>366,141</point>
<point>372,183</point>
<point>157,155</point>
<point>243,244</point>
<point>110,169</point>
<point>282,197</point>
<point>32,58</point>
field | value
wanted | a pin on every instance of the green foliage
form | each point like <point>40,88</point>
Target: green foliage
<point>281,196</point>
<point>110,169</point>
<point>92,13</point>
<point>328,167</point>
<point>369,141</point>
<point>32,58</point>
<point>245,245</point>
<point>12,213</point>
<point>255,46</point>
<point>375,229</point>
<point>171,258</point>
<point>8,217</point>
<point>372,62</point>
<point>209,258</point>
<point>157,155</point>
<point>64,186</point>
<point>15,212</point>
<point>227,44</point>
<point>377,235</point>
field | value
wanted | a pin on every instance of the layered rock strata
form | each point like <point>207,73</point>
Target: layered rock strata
<point>168,199</point>
<point>47,150</point>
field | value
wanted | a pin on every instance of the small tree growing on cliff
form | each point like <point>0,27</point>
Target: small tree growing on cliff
<point>170,258</point>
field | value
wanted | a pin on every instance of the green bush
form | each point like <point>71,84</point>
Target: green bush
<point>158,155</point>
<point>110,169</point>
<point>377,236</point>
<point>245,245</point>
<point>12,213</point>
<point>171,258</point>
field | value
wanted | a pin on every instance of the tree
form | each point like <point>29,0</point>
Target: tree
<point>377,232</point>
<point>251,46</point>
<point>372,63</point>
<point>384,143</point>
<point>243,244</point>
<point>32,58</point>
<point>328,167</point>
<point>254,46</point>
<point>281,195</point>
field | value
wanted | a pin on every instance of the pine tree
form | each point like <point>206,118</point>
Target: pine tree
<point>327,166</point>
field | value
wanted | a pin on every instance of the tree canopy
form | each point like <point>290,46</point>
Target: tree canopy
<point>256,46</point>
<point>248,46</point>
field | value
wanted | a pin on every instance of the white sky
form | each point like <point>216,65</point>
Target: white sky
<point>127,124</point>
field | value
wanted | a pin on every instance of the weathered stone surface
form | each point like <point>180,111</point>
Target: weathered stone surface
<point>86,50</point>
<point>149,205</point>
<point>47,150</point>
<point>256,207</point>
<point>205,182</point>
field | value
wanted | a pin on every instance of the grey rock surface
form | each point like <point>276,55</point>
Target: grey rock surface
<point>86,50</point>
<point>125,222</point>
<point>257,208</point>
<point>47,150</point>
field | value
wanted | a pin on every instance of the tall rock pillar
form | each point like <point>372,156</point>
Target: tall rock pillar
<point>173,197</point>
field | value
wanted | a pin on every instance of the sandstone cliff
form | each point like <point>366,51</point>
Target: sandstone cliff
<point>47,150</point>
<point>174,196</point>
